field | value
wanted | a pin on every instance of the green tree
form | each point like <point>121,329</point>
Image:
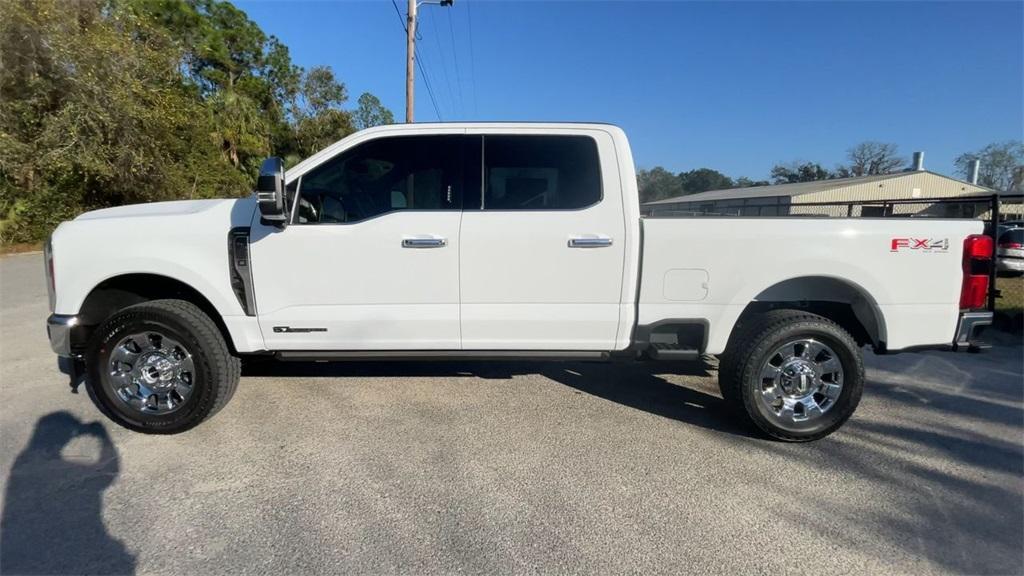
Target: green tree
<point>246,77</point>
<point>704,179</point>
<point>744,182</point>
<point>103,120</point>
<point>371,113</point>
<point>320,119</point>
<point>799,172</point>
<point>1001,165</point>
<point>108,102</point>
<point>658,184</point>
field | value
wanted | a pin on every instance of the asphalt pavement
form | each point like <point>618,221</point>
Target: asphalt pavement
<point>473,467</point>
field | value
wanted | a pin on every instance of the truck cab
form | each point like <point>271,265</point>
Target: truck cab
<point>495,238</point>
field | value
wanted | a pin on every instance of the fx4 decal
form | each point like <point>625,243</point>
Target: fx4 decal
<point>920,244</point>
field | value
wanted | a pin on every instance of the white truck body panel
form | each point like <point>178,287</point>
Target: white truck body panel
<point>184,240</point>
<point>915,292</point>
<point>507,280</point>
<point>524,287</point>
<point>331,277</point>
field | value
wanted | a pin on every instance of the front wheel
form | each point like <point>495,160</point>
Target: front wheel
<point>160,367</point>
<point>795,375</point>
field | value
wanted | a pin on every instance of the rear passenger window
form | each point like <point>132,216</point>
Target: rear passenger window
<point>540,173</point>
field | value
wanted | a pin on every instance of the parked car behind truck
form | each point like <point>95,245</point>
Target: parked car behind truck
<point>496,241</point>
<point>1010,251</point>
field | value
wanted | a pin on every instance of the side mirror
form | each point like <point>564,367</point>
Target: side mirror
<point>270,192</point>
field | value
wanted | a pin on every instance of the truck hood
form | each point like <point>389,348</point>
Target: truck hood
<point>163,209</point>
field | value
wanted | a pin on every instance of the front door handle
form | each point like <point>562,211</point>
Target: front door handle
<point>424,242</point>
<point>589,241</point>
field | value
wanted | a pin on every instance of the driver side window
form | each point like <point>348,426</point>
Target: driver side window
<point>382,176</point>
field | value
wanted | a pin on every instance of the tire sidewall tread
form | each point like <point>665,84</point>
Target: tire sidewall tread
<point>218,371</point>
<point>757,337</point>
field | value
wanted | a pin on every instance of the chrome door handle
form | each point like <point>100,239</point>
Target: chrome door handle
<point>589,242</point>
<point>424,242</point>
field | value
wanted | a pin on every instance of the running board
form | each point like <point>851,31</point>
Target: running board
<point>660,351</point>
<point>354,355</point>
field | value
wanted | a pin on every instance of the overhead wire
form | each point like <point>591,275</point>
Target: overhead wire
<point>472,59</point>
<point>440,54</point>
<point>455,55</point>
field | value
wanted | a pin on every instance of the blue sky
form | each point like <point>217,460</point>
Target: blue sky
<point>729,85</point>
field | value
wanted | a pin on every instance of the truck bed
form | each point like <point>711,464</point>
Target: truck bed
<point>904,275</point>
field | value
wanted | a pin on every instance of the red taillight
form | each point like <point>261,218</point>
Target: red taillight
<point>976,266</point>
<point>1011,245</point>
<point>977,247</point>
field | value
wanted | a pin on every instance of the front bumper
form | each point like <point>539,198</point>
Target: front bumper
<point>969,329</point>
<point>60,329</point>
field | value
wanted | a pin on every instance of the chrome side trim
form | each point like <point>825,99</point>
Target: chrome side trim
<point>969,328</point>
<point>58,330</point>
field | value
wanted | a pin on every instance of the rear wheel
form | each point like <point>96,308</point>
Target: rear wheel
<point>795,375</point>
<point>160,367</point>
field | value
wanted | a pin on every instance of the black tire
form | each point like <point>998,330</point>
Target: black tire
<point>740,382</point>
<point>216,370</point>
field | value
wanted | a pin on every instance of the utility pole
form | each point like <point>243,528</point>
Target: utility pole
<point>410,56</point>
<point>410,52</point>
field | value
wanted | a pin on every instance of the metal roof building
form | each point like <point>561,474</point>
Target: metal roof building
<point>801,198</point>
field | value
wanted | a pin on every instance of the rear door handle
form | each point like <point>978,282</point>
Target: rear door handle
<point>424,242</point>
<point>589,241</point>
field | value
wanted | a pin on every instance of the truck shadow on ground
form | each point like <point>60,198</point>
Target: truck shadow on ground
<point>52,520</point>
<point>637,385</point>
<point>955,494</point>
<point>952,497</point>
<point>952,492</point>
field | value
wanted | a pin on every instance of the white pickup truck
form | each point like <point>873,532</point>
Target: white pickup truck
<point>496,240</point>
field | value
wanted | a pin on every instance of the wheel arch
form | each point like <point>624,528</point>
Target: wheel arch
<point>118,292</point>
<point>841,300</point>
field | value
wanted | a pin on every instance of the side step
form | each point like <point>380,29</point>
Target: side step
<point>389,355</point>
<point>666,351</point>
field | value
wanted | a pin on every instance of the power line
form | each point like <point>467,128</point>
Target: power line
<point>440,54</point>
<point>455,54</point>
<point>472,60</point>
<point>401,20</point>
<point>426,82</point>
<point>419,64</point>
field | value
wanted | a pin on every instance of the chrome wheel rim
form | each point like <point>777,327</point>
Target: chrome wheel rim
<point>800,381</point>
<point>151,373</point>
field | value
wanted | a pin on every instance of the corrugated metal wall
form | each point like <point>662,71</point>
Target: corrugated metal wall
<point>911,185</point>
<point>906,186</point>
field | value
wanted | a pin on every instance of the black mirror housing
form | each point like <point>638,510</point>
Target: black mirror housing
<point>270,192</point>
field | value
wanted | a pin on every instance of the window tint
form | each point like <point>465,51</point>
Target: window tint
<point>540,172</point>
<point>1015,235</point>
<point>381,176</point>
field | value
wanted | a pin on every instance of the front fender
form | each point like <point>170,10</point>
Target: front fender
<point>189,246</point>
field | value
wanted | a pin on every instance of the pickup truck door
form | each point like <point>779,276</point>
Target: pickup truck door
<point>543,246</point>
<point>370,260</point>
